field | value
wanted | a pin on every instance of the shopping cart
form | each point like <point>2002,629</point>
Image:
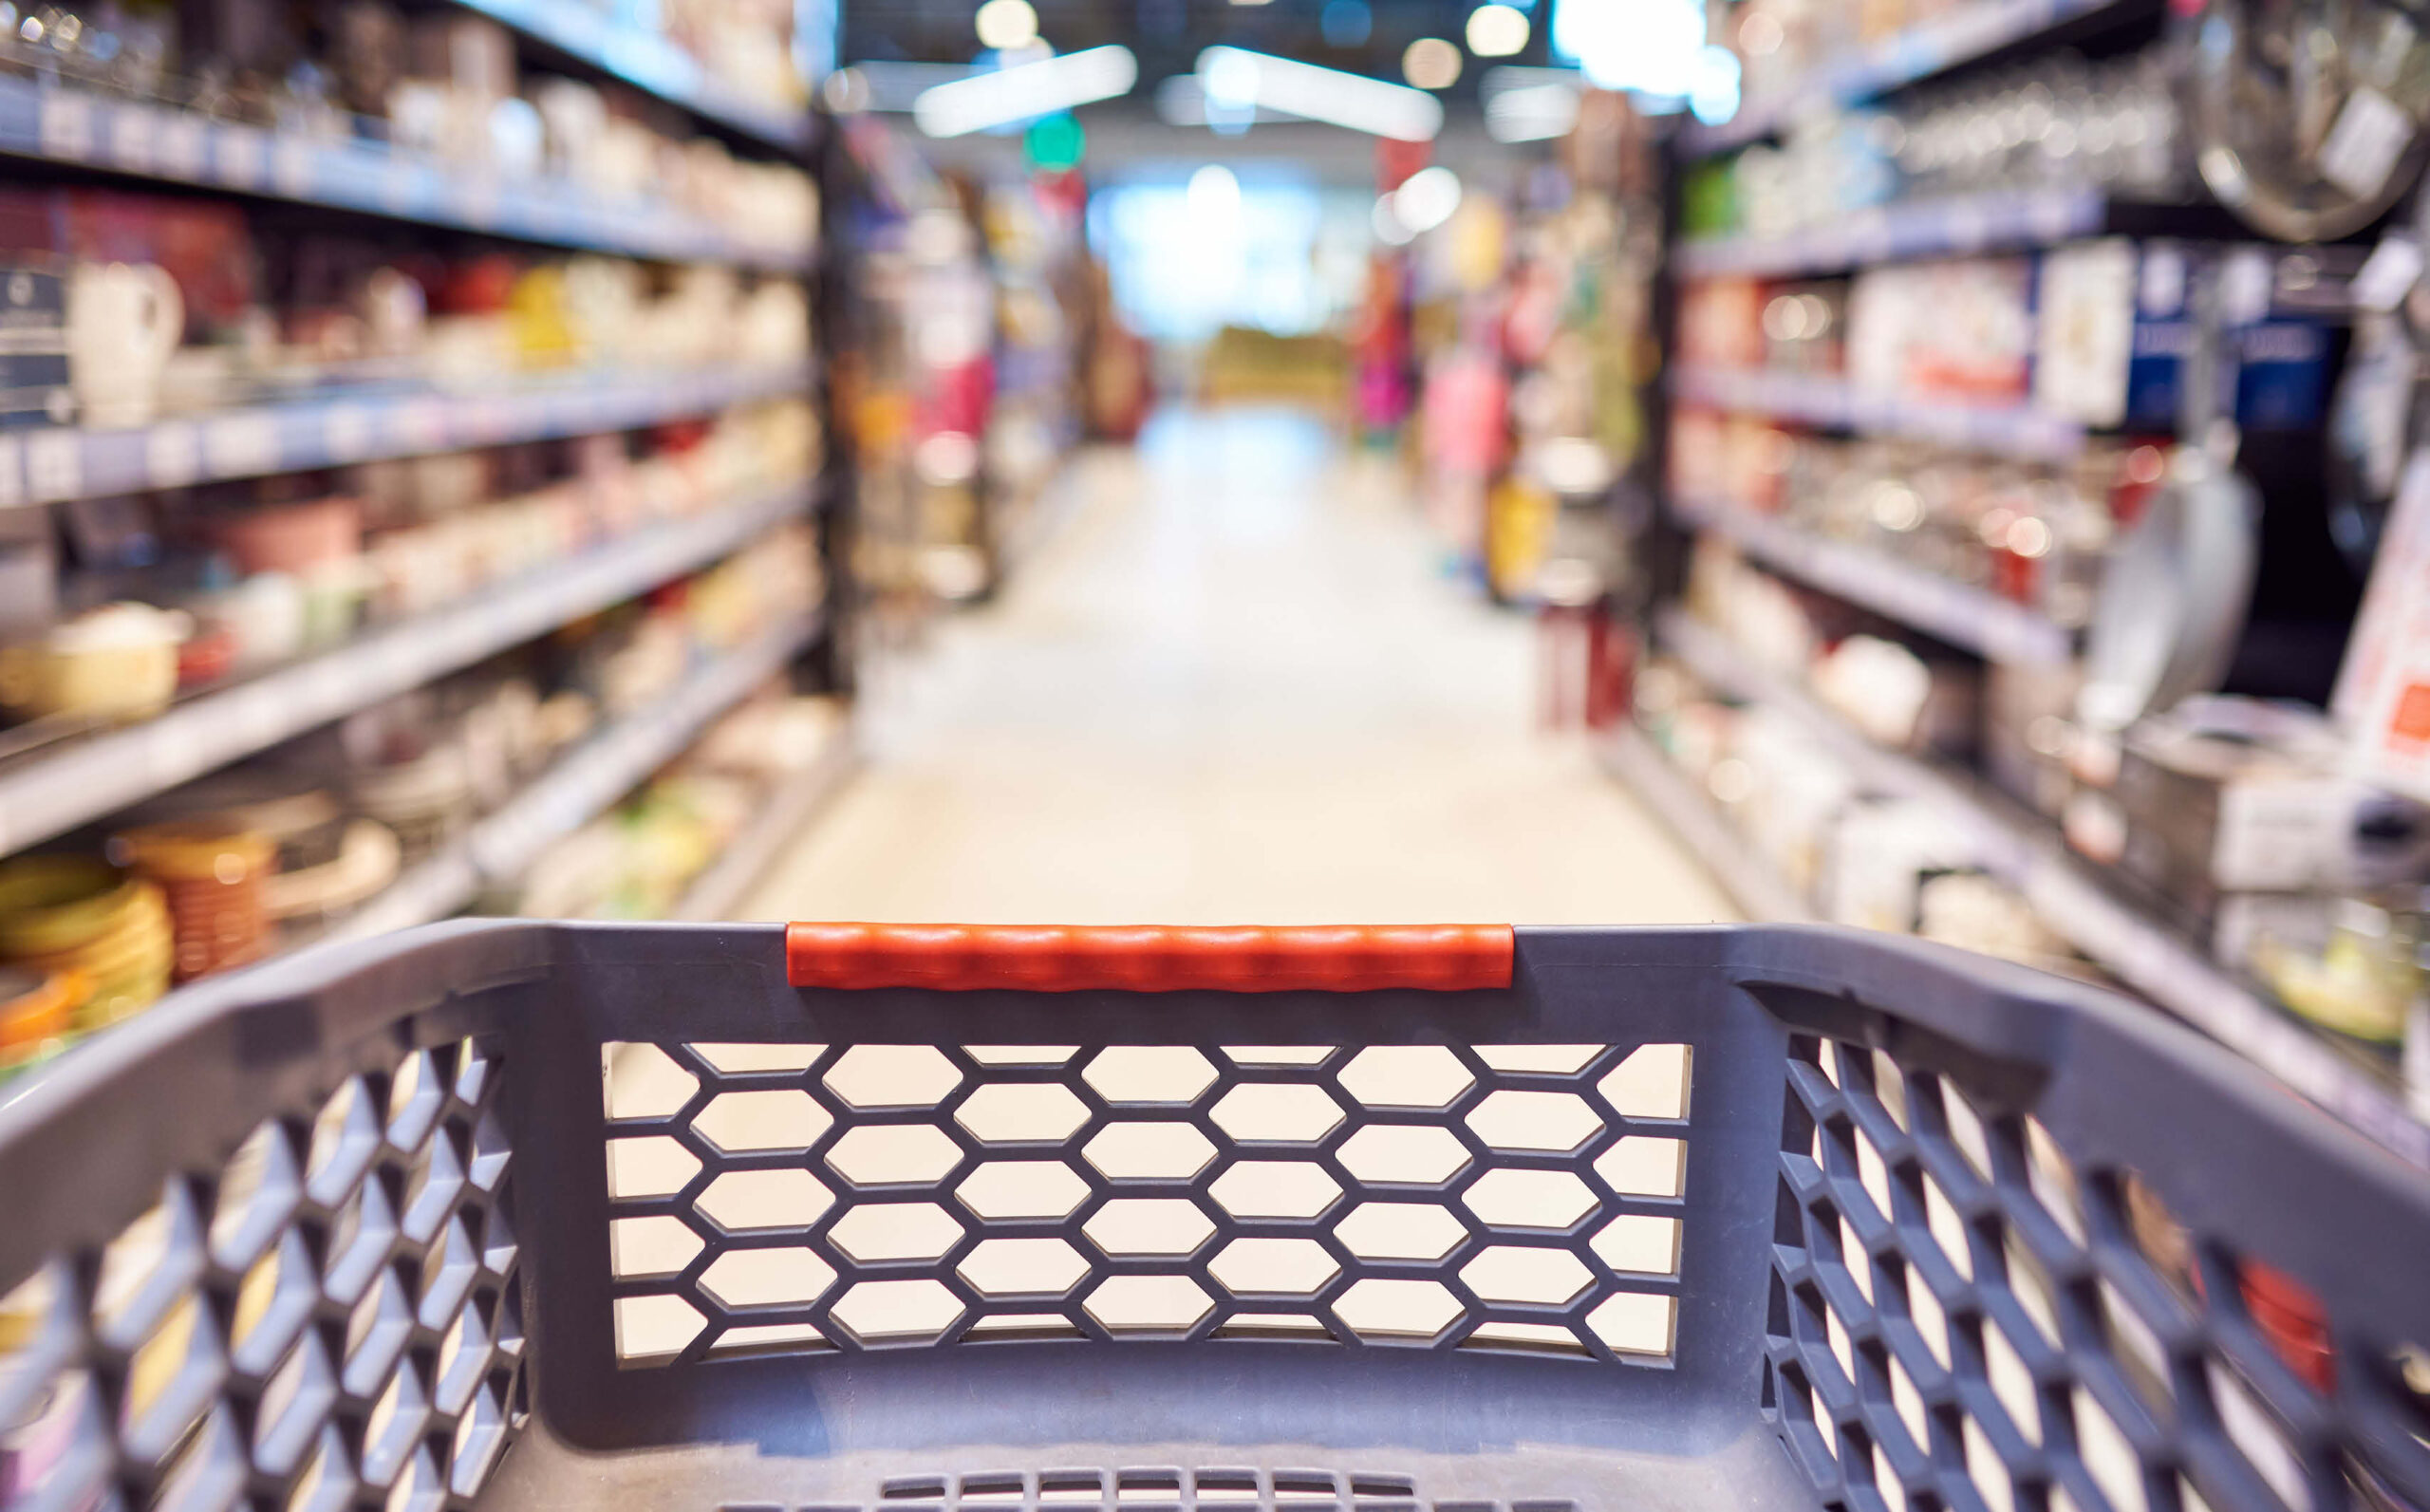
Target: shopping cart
<point>905,1219</point>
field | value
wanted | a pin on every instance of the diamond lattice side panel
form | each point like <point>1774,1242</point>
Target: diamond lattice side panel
<point>328,1320</point>
<point>1964,1317</point>
<point>769,1198</point>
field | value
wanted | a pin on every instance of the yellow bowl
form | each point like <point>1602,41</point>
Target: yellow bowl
<point>54,903</point>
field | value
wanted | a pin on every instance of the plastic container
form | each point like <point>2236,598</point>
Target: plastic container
<point>1363,1221</point>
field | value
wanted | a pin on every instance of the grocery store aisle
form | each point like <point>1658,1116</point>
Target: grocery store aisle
<point>1233,688</point>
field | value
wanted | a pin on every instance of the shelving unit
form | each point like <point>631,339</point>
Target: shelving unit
<point>48,464</point>
<point>65,125</point>
<point>1758,891</point>
<point>1966,34</point>
<point>1831,402</point>
<point>1993,627</point>
<point>580,787</point>
<point>648,64</point>
<point>57,790</point>
<point>2138,950</point>
<point>717,892</point>
<point>1958,224</point>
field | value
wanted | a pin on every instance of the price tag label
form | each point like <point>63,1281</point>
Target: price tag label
<point>243,155</point>
<point>66,124</point>
<point>183,148</point>
<point>345,431</point>
<point>172,455</point>
<point>290,167</point>
<point>12,475</point>
<point>241,445</point>
<point>423,423</point>
<point>134,139</point>
<point>54,464</point>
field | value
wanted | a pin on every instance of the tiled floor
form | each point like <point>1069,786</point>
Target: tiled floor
<point>1234,686</point>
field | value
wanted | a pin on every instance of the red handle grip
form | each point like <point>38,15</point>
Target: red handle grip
<point>969,958</point>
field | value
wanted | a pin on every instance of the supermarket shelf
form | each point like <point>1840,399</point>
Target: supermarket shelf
<point>648,62</point>
<point>718,891</point>
<point>1761,893</point>
<point>1991,221</point>
<point>45,464</point>
<point>1909,57</point>
<point>1995,628</point>
<point>2007,430</point>
<point>2135,948</point>
<point>579,788</point>
<point>63,124</point>
<point>73,784</point>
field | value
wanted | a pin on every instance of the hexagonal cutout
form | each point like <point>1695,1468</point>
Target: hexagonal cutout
<point>1652,1083</point>
<point>1539,1060</point>
<point>1149,1073</point>
<point>1149,1304</point>
<point>1406,1077</point>
<point>768,1338</point>
<point>1139,1152</point>
<point>1634,1242</point>
<point>1278,1327</point>
<point>1023,1267</point>
<point>1636,1322</point>
<point>1415,1153</point>
<point>892,1076</point>
<point>654,1328</point>
<point>1278,1113</point>
<point>1508,1273</point>
<point>1279,1054</point>
<point>740,1201</point>
<point>1549,1338</point>
<point>791,1277</point>
<point>1274,1188</point>
<point>1643,1166</point>
<point>1534,1120</point>
<point>895,1154</point>
<point>655,1166</point>
<point>259,1188</point>
<point>776,1119</point>
<point>883,1311</point>
<point>1419,1231</point>
<point>1148,1226</point>
<point>1530,1199</point>
<point>643,1081</point>
<point>650,1246</point>
<point>1380,1309</point>
<point>1020,1054</point>
<point>1285,1267</point>
<point>1022,1188</point>
<point>1009,1112</point>
<point>894,1231</point>
<point>758,1059</point>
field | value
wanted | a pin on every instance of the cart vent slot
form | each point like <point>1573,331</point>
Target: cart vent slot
<point>1138,1490</point>
<point>322,1318</point>
<point>1527,1199</point>
<point>1965,1316</point>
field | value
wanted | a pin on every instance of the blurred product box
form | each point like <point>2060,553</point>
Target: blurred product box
<point>33,346</point>
<point>2231,795</point>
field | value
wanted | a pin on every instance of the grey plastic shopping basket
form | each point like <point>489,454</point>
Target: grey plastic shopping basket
<point>524,1215</point>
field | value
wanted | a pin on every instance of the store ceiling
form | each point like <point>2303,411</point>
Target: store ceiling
<point>1167,35</point>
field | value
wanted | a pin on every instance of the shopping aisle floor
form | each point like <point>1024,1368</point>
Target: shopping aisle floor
<point>1232,685</point>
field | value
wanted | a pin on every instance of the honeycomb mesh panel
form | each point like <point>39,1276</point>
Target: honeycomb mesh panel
<point>1963,1317</point>
<point>325,1320</point>
<point>790,1198</point>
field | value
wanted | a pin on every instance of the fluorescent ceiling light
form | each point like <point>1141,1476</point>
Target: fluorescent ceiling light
<point>1234,76</point>
<point>1531,104</point>
<point>1025,90</point>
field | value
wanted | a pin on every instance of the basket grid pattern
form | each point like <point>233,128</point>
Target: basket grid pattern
<point>790,1198</point>
<point>1962,1318</point>
<point>328,1319</point>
